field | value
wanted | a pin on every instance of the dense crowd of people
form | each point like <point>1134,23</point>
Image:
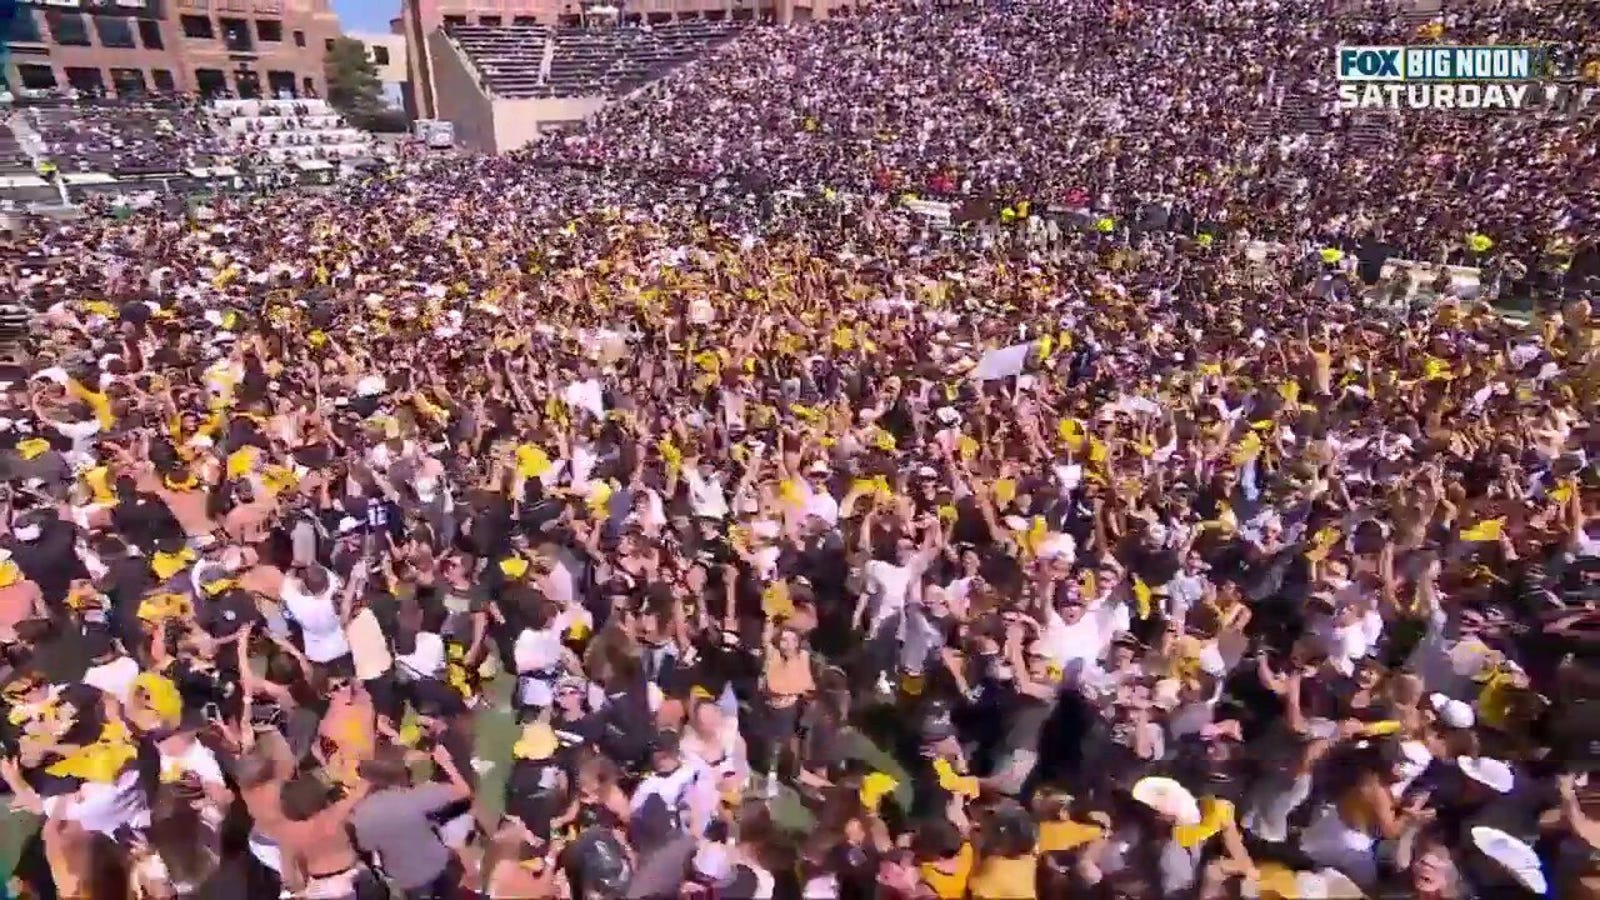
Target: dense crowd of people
<point>1127,103</point>
<point>174,134</point>
<point>128,136</point>
<point>699,521</point>
<point>266,133</point>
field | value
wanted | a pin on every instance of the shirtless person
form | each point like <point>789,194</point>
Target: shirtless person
<point>299,833</point>
<point>316,846</point>
<point>260,774</point>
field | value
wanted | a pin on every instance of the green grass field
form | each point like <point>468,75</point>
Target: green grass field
<point>496,733</point>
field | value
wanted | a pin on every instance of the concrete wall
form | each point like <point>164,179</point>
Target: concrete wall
<point>518,122</point>
<point>393,72</point>
<point>491,124</point>
<point>460,99</point>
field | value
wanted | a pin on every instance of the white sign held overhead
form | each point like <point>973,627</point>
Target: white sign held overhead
<point>1006,362</point>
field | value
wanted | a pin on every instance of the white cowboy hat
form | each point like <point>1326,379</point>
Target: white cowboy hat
<point>1515,856</point>
<point>1453,713</point>
<point>1169,798</point>
<point>1491,773</point>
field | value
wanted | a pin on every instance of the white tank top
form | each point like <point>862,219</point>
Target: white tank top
<point>319,620</point>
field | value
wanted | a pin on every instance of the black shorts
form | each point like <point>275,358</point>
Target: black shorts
<point>338,667</point>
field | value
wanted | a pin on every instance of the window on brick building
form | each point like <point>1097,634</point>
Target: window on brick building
<point>197,27</point>
<point>67,28</point>
<point>150,34</point>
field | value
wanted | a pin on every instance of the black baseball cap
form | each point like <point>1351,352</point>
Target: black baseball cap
<point>664,742</point>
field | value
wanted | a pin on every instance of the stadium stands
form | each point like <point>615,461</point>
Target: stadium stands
<point>93,139</point>
<point>282,131</point>
<point>519,61</point>
<point>13,159</point>
<point>124,138</point>
<point>971,102</point>
<point>510,58</point>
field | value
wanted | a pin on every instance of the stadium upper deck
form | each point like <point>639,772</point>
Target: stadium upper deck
<point>535,61</point>
<point>420,18</point>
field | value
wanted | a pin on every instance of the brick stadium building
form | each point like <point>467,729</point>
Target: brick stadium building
<point>422,22</point>
<point>252,48</point>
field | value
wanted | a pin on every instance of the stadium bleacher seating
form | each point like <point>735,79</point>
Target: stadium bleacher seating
<point>124,137</point>
<point>159,137</point>
<point>13,159</point>
<point>281,131</point>
<point>536,61</point>
<point>509,57</point>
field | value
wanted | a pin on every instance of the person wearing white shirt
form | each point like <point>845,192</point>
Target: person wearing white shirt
<point>821,505</point>
<point>1348,635</point>
<point>957,591</point>
<point>425,659</point>
<point>646,511</point>
<point>582,466</point>
<point>308,598</point>
<point>369,649</point>
<point>706,496</point>
<point>182,755</point>
<point>1431,659</point>
<point>538,652</point>
<point>763,554</point>
<point>1076,634</point>
<point>558,583</point>
<point>103,807</point>
<point>113,672</point>
<point>1186,589</point>
<point>712,740</point>
<point>890,585</point>
<point>685,787</point>
<point>818,502</point>
<point>82,434</point>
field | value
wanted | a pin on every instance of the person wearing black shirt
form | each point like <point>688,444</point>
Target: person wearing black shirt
<point>626,721</point>
<point>45,548</point>
<point>931,793</point>
<point>227,612</point>
<point>574,723</point>
<point>206,680</point>
<point>537,785</point>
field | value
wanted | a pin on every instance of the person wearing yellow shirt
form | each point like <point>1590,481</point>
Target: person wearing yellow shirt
<point>944,859</point>
<point>1009,866</point>
<point>1006,878</point>
<point>1070,849</point>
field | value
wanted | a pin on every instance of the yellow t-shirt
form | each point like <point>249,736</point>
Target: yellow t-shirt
<point>952,884</point>
<point>1006,878</point>
<point>1066,835</point>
